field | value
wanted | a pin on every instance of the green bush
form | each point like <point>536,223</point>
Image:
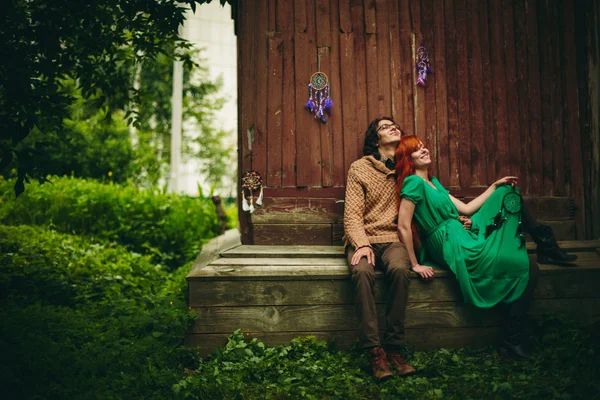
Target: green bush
<point>169,227</point>
<point>87,321</point>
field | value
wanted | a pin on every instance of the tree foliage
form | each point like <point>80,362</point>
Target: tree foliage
<point>94,42</point>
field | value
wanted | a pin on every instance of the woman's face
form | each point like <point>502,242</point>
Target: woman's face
<point>420,157</point>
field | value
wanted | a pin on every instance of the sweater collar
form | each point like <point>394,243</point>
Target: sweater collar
<point>380,166</point>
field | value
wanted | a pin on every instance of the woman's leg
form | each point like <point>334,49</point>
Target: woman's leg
<point>548,251</point>
<point>512,336</point>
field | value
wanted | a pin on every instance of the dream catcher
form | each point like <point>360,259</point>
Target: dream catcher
<point>512,203</point>
<point>423,68</point>
<point>319,101</point>
<point>251,182</point>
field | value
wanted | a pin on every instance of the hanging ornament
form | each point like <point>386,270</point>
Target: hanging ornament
<point>512,203</point>
<point>251,182</point>
<point>423,67</point>
<point>319,101</point>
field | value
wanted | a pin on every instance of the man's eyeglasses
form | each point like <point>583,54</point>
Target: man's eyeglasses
<point>388,127</point>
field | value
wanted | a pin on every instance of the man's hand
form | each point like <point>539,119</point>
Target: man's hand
<point>467,223</point>
<point>364,251</point>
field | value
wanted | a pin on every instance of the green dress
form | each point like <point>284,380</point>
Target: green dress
<point>489,270</point>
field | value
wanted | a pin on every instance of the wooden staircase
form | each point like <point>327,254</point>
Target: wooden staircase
<point>277,293</point>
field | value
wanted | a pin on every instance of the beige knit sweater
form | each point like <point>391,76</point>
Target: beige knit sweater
<point>371,209</point>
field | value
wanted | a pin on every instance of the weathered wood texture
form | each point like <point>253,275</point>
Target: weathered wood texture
<point>277,293</point>
<point>514,91</point>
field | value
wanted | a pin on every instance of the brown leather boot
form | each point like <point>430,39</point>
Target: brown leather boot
<point>397,360</point>
<point>379,364</point>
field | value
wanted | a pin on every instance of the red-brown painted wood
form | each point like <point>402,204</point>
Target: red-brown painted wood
<point>478,151</point>
<point>486,76</point>
<point>498,88</point>
<point>345,16</point>
<point>535,110</point>
<point>335,122</point>
<point>464,112</point>
<point>352,132</point>
<point>418,92</point>
<point>383,58</point>
<point>370,16</point>
<point>452,96</point>
<point>441,94</point>
<point>274,111</point>
<point>546,97</point>
<point>523,96</point>
<point>259,146</point>
<point>407,68</point>
<point>431,133</point>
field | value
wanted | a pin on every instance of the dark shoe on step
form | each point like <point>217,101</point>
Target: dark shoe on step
<point>379,364</point>
<point>548,251</point>
<point>397,360</point>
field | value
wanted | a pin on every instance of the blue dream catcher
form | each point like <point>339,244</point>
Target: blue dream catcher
<point>423,68</point>
<point>319,101</point>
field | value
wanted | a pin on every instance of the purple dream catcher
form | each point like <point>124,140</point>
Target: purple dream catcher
<point>319,101</point>
<point>422,66</point>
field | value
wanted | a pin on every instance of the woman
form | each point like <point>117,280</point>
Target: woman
<point>490,264</point>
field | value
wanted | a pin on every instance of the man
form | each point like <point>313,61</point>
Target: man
<point>371,235</point>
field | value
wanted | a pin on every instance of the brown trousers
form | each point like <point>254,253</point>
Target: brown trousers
<point>392,259</point>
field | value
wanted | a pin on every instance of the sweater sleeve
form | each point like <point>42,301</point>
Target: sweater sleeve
<point>412,189</point>
<point>354,211</point>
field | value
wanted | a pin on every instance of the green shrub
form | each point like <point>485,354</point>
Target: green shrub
<point>169,227</point>
<point>87,321</point>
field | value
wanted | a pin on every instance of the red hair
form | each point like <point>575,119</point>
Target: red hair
<point>404,168</point>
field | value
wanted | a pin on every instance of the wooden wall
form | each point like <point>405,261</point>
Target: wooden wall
<point>504,98</point>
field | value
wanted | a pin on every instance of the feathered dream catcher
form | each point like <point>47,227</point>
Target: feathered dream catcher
<point>511,204</point>
<point>319,101</point>
<point>423,68</point>
<point>251,182</point>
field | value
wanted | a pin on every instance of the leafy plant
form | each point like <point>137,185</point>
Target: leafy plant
<point>168,227</point>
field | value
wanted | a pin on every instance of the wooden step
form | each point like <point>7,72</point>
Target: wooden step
<point>274,251</point>
<point>276,293</point>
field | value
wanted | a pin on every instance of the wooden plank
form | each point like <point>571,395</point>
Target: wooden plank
<point>464,113</point>
<point>345,17</point>
<point>535,116</point>
<point>358,22</point>
<point>421,339</point>
<point>573,132</point>
<point>394,62</point>
<point>300,15</point>
<point>326,137</point>
<point>335,123</point>
<point>285,15</point>
<point>298,210</point>
<point>372,80</point>
<point>272,5</point>
<point>561,284</point>
<point>308,152</point>
<point>383,56</point>
<point>546,97</point>
<point>348,108</point>
<point>338,251</point>
<point>259,146</point>
<point>418,92</point>
<point>211,251</point>
<point>560,147</point>
<point>246,103</point>
<point>323,23</point>
<point>274,110</point>
<point>523,95</point>
<point>370,16</point>
<point>452,82</point>
<point>489,145</point>
<point>407,67</point>
<point>498,88</point>
<point>478,153</point>
<point>333,317</point>
<point>430,111</point>
<point>443,159</point>
<point>514,131</point>
<point>337,234</point>
<point>317,234</point>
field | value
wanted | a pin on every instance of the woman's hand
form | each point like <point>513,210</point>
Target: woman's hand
<point>425,272</point>
<point>507,180</point>
<point>466,221</point>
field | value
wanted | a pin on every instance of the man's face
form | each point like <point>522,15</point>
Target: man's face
<point>388,133</point>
